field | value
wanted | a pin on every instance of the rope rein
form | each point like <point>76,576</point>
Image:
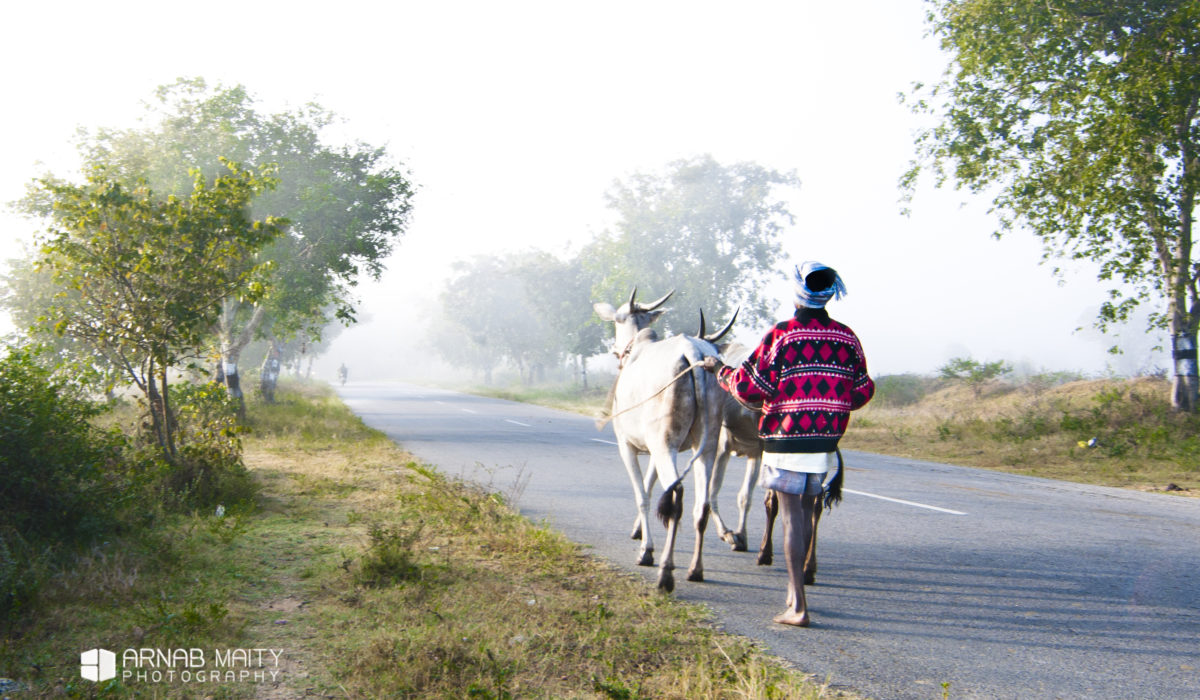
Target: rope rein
<point>601,422</point>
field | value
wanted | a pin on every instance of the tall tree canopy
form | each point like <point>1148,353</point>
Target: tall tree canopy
<point>346,204</point>
<point>707,230</point>
<point>528,309</point>
<point>141,276</point>
<point>1080,118</point>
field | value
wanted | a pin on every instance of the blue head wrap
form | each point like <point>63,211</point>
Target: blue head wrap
<point>807,298</point>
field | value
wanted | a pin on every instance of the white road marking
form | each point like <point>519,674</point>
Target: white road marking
<point>517,422</point>
<point>467,410</point>
<point>907,503</point>
<point>606,442</point>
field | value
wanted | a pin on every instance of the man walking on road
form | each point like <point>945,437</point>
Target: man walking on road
<point>807,374</point>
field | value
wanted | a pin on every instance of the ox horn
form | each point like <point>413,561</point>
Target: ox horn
<point>632,296</point>
<point>655,304</point>
<point>721,333</point>
<point>700,334</point>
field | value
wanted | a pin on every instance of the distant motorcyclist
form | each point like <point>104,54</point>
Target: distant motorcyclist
<point>343,372</point>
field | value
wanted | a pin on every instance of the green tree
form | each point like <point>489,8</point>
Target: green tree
<point>491,314</point>
<point>27,291</point>
<point>560,291</point>
<point>141,276</point>
<point>974,374</point>
<point>347,204</point>
<point>1080,118</point>
<point>707,230</point>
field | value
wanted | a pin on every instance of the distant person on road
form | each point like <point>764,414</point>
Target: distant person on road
<point>343,372</point>
<point>807,374</point>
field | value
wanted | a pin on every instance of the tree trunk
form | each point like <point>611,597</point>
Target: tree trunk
<point>155,405</point>
<point>168,416</point>
<point>1185,393</point>
<point>583,371</point>
<point>232,344</point>
<point>270,372</point>
<point>161,421</point>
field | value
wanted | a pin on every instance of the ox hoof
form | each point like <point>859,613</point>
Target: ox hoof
<point>810,579</point>
<point>666,581</point>
<point>738,543</point>
<point>637,531</point>
<point>696,576</point>
<point>765,559</point>
<point>646,558</point>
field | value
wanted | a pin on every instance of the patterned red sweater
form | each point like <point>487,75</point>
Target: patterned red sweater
<point>808,373</point>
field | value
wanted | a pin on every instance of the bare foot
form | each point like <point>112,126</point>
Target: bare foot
<point>795,619</point>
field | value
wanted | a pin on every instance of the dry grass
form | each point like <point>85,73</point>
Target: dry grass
<point>1046,431</point>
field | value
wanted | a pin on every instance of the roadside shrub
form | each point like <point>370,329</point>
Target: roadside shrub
<point>208,469</point>
<point>60,481</point>
<point>59,477</point>
<point>899,390</point>
<point>1135,423</point>
<point>20,573</point>
<point>391,557</point>
<point>1047,380</point>
<point>1031,424</point>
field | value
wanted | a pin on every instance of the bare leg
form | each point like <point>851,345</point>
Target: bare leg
<point>798,518</point>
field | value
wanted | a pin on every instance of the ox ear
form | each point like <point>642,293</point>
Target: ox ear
<point>652,316</point>
<point>605,311</point>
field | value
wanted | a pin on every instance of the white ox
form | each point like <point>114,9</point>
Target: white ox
<point>662,403</point>
<point>739,435</point>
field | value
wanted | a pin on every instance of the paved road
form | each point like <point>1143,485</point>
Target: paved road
<point>1002,586</point>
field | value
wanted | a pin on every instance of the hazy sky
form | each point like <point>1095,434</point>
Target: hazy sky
<point>514,118</point>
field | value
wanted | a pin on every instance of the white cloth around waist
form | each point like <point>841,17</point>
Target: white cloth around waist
<point>806,462</point>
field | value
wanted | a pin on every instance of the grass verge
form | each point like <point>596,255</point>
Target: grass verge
<point>371,575</point>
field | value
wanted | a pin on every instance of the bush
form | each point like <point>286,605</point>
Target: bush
<point>59,481</point>
<point>1131,423</point>
<point>20,573</point>
<point>208,469</point>
<point>974,374</point>
<point>898,390</point>
<point>391,557</point>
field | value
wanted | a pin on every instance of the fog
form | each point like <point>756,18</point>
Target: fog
<point>515,118</point>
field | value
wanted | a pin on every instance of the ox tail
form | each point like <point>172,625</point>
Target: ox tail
<point>690,371</point>
<point>833,492</point>
<point>607,414</point>
<point>670,504</point>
